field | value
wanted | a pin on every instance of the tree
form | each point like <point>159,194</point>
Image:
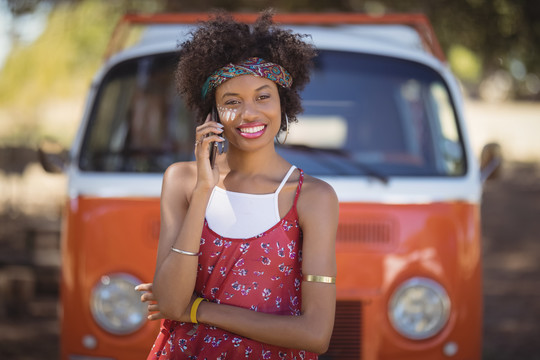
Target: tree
<point>498,33</point>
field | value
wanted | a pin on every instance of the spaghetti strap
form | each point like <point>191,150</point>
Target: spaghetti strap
<point>276,193</point>
<point>285,179</point>
<point>300,182</point>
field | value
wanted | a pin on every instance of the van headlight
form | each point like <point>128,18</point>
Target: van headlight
<point>419,308</point>
<point>116,306</point>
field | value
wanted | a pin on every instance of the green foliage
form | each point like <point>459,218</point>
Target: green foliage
<point>62,61</point>
<point>465,63</point>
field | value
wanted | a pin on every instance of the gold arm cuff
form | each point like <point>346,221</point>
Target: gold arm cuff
<point>320,279</point>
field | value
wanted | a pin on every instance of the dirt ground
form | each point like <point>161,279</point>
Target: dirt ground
<point>511,228</point>
<point>511,239</point>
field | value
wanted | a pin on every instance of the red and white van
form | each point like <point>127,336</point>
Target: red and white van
<point>383,124</point>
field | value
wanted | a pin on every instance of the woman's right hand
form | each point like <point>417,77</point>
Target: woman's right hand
<point>205,134</point>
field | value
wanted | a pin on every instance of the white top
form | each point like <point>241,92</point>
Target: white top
<point>240,215</point>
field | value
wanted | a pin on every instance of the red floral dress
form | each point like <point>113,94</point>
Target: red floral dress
<point>262,273</point>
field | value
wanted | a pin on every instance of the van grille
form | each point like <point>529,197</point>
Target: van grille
<point>374,234</point>
<point>346,340</point>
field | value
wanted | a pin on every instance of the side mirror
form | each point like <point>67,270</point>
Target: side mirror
<point>490,162</point>
<point>52,156</point>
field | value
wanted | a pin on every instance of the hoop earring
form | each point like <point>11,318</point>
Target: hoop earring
<point>286,133</point>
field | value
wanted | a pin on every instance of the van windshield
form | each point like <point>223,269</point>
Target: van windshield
<point>363,115</point>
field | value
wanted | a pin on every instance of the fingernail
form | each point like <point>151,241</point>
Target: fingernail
<point>220,125</point>
<point>137,288</point>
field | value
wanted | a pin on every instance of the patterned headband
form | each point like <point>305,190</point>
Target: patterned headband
<point>252,66</point>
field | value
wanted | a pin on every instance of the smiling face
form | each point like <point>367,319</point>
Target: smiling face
<point>250,110</point>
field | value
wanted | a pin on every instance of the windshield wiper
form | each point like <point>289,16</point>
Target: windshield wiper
<point>366,169</point>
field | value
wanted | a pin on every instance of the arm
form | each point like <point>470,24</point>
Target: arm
<point>174,278</point>
<point>318,213</point>
<point>185,192</point>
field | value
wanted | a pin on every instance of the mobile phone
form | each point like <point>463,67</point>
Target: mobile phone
<point>213,145</point>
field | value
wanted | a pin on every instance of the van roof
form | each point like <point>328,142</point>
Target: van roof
<point>386,33</point>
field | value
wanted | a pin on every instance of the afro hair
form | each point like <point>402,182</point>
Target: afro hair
<point>222,40</point>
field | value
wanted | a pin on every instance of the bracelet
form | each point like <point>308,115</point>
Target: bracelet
<point>320,279</point>
<point>194,308</point>
<point>185,252</point>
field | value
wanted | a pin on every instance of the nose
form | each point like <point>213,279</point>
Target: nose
<point>249,111</point>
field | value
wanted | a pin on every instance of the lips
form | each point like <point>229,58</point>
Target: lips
<point>252,131</point>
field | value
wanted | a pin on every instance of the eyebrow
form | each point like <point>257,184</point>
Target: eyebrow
<point>236,94</point>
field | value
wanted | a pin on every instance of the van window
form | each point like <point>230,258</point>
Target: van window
<point>363,114</point>
<point>138,122</point>
<point>366,113</point>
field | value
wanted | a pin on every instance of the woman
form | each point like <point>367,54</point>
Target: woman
<point>253,236</point>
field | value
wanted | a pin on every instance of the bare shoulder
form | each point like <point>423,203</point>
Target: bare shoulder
<point>318,216</point>
<point>179,178</point>
<point>314,188</point>
<point>317,196</point>
<point>181,171</point>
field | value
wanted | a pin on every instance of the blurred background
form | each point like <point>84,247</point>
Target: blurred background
<point>50,49</point>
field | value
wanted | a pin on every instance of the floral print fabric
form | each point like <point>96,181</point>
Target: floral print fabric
<point>262,273</point>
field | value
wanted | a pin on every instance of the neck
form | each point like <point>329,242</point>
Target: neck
<point>263,161</point>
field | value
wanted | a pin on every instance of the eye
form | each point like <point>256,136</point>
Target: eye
<point>263,97</point>
<point>232,102</point>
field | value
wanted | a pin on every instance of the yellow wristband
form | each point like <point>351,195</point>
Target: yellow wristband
<point>194,308</point>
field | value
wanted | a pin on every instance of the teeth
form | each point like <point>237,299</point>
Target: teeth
<point>252,130</point>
